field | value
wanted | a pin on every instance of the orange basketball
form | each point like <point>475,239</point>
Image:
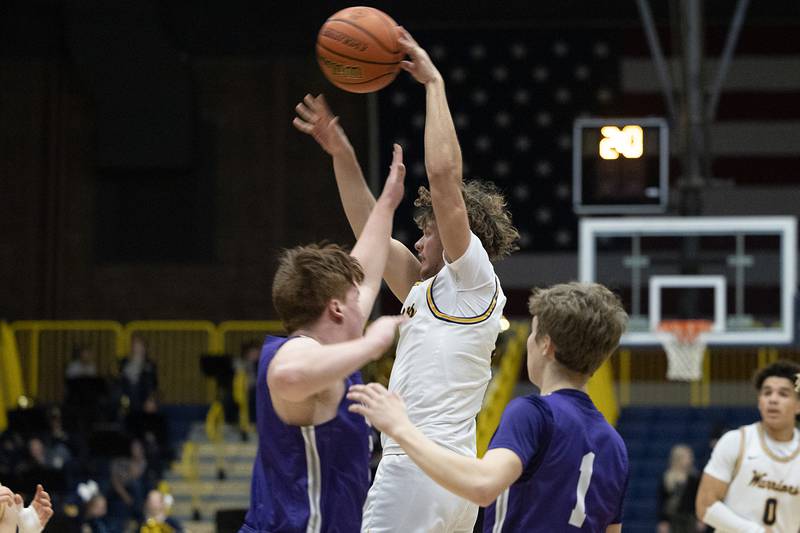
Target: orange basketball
<point>357,49</point>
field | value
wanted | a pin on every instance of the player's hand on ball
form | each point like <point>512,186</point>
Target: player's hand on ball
<point>42,505</point>
<point>420,65</point>
<point>394,188</point>
<point>383,331</point>
<point>383,409</point>
<point>315,118</point>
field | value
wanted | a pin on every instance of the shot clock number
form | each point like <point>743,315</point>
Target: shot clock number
<point>628,142</point>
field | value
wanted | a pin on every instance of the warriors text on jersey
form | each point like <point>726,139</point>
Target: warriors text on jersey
<point>310,478</point>
<point>763,476</point>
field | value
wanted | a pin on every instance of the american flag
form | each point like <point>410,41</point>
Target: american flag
<point>755,139</point>
<point>513,96</point>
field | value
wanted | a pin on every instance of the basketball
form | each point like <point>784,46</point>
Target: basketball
<point>357,49</point>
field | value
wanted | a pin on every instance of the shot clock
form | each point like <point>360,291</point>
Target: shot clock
<point>620,165</point>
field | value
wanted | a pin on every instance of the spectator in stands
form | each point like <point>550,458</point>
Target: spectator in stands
<point>59,448</point>
<point>82,364</point>
<point>12,453</point>
<point>31,519</point>
<point>128,487</point>
<point>149,426</point>
<point>677,491</point>
<point>155,510</point>
<point>37,455</point>
<point>138,375</point>
<point>94,517</point>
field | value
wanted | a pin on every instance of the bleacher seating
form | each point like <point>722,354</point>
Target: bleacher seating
<point>650,433</point>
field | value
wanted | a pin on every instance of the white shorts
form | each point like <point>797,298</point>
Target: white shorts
<point>404,499</point>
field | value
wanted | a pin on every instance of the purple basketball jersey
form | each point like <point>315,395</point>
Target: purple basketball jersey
<point>309,478</point>
<point>575,466</point>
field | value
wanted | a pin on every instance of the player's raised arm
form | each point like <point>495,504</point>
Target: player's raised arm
<point>315,118</point>
<point>479,480</point>
<point>372,247</point>
<point>442,151</point>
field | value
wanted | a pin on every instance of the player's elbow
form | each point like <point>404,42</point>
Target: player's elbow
<point>484,494</point>
<point>288,383</point>
<point>446,168</point>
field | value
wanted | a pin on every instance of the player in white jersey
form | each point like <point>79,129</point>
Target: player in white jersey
<point>443,357</point>
<point>751,484</point>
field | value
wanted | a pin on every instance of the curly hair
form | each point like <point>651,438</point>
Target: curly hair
<point>308,277</point>
<point>489,217</point>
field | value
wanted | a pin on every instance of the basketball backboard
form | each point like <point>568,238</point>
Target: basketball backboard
<point>738,272</point>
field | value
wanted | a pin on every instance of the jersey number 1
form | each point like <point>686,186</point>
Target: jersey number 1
<point>578,515</point>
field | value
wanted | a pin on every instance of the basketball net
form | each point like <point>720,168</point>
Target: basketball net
<point>684,342</point>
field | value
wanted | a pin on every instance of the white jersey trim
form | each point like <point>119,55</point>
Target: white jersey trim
<point>500,510</point>
<point>476,319</point>
<point>772,455</point>
<point>314,480</point>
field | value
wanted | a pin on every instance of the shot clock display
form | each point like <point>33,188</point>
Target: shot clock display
<point>620,165</point>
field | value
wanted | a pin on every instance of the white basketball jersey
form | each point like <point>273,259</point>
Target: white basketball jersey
<point>765,488</point>
<point>443,363</point>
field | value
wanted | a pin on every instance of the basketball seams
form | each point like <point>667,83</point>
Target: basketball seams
<point>341,82</point>
<point>366,81</point>
<point>388,21</point>
<point>354,55</point>
<point>332,51</point>
<point>365,31</point>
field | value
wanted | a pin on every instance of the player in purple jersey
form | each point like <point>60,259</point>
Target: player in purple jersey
<point>554,463</point>
<point>311,473</point>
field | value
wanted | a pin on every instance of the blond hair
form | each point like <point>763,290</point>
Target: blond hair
<point>583,320</point>
<point>674,473</point>
<point>308,277</point>
<point>488,214</point>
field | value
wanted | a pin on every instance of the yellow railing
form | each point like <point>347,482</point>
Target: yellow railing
<point>721,365</point>
<point>44,349</point>
<point>177,346</point>
<point>52,341</point>
<point>501,388</point>
<point>12,387</point>
<point>189,468</point>
<point>233,335</point>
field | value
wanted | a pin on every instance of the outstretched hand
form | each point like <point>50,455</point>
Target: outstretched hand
<point>42,505</point>
<point>383,409</point>
<point>394,188</point>
<point>383,331</point>
<point>315,118</point>
<point>420,65</point>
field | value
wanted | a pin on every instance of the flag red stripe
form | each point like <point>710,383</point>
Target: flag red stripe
<point>732,105</point>
<point>768,40</point>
